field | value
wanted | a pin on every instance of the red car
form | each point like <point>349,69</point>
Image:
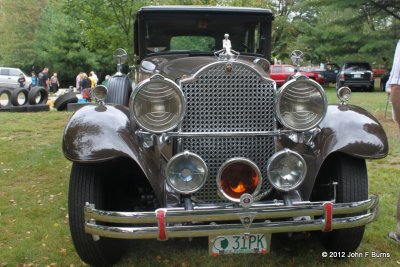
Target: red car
<point>280,73</point>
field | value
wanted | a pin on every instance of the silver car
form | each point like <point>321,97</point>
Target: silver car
<point>9,78</point>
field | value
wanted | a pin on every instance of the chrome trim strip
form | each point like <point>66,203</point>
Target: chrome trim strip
<point>141,133</point>
<point>225,213</point>
<point>227,229</point>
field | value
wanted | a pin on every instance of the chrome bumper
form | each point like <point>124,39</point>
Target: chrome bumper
<point>224,220</point>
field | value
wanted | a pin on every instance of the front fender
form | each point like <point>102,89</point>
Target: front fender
<point>98,133</point>
<point>345,129</point>
<point>102,133</point>
<point>352,130</point>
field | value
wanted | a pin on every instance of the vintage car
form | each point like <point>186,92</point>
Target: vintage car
<point>198,142</point>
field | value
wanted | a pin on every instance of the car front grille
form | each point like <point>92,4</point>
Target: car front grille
<point>221,101</point>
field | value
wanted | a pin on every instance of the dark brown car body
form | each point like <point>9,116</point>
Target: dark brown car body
<point>98,135</point>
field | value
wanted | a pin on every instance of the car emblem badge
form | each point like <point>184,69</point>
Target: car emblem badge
<point>229,67</point>
<point>246,200</point>
<point>247,219</point>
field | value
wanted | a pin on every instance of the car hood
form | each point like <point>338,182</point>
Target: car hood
<point>178,66</point>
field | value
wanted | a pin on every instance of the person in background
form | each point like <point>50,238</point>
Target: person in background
<point>44,78</point>
<point>394,84</point>
<point>54,83</point>
<point>78,80</point>
<point>92,80</point>
<point>86,87</point>
<point>34,79</point>
<point>105,82</point>
<point>95,78</point>
<point>21,80</point>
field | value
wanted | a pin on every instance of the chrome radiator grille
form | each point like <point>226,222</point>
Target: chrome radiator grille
<point>221,101</point>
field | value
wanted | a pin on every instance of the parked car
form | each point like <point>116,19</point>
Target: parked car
<point>329,71</point>
<point>9,78</point>
<point>204,144</point>
<point>281,73</point>
<point>356,75</point>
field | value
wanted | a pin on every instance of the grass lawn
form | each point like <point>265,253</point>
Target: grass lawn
<point>33,204</point>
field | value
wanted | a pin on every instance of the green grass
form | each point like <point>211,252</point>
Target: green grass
<point>33,204</point>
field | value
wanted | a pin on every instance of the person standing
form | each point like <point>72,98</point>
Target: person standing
<point>105,82</point>
<point>44,78</point>
<point>34,79</point>
<point>78,81</point>
<point>21,80</point>
<point>394,83</point>
<point>54,83</point>
<point>94,77</point>
<point>86,84</point>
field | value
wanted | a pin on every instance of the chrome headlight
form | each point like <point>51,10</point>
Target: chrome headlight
<point>301,104</point>
<point>186,172</point>
<point>286,170</point>
<point>157,104</point>
<point>344,94</point>
<point>100,92</point>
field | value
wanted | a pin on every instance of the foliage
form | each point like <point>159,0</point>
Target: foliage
<point>72,36</point>
<point>19,20</point>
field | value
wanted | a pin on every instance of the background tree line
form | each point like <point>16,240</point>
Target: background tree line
<point>70,36</point>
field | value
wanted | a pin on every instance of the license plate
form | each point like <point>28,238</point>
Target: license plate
<point>239,244</point>
<point>357,75</point>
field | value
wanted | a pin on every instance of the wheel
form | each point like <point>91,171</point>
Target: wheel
<point>63,100</point>
<point>37,108</point>
<point>19,97</point>
<point>87,184</point>
<point>119,90</point>
<point>351,175</point>
<point>5,98</point>
<point>38,95</point>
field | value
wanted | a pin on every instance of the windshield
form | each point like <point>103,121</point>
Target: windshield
<point>204,33</point>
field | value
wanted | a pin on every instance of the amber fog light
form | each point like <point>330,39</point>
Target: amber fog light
<point>238,176</point>
<point>286,170</point>
<point>186,172</point>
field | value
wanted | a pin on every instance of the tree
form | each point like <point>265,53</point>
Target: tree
<point>19,21</point>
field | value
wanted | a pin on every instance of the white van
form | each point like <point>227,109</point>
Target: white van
<point>9,78</point>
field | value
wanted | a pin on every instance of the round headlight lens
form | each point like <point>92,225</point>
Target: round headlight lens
<point>100,92</point>
<point>286,170</point>
<point>186,172</point>
<point>344,94</point>
<point>238,176</point>
<point>157,104</point>
<point>301,104</point>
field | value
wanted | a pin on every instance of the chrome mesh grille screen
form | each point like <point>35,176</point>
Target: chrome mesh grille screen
<point>221,101</point>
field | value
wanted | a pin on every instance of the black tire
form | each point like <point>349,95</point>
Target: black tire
<point>63,100</point>
<point>119,90</point>
<point>5,98</point>
<point>38,96</point>
<point>18,108</point>
<point>16,95</point>
<point>351,175</point>
<point>37,108</point>
<point>86,185</point>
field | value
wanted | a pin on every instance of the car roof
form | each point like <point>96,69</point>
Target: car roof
<point>202,9</point>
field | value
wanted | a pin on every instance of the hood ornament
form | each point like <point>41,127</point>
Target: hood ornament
<point>227,53</point>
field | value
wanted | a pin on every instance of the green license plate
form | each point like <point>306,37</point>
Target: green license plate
<point>239,244</point>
